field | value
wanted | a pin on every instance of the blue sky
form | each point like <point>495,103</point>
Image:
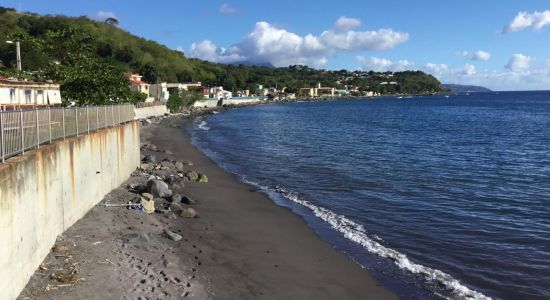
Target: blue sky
<point>457,41</point>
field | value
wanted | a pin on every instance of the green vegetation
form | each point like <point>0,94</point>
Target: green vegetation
<point>90,59</point>
<point>182,98</point>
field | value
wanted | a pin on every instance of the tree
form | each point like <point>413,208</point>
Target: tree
<point>111,21</point>
<point>182,98</point>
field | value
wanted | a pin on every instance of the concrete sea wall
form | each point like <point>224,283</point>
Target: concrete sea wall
<point>209,103</point>
<point>150,111</point>
<point>47,190</point>
<point>240,101</point>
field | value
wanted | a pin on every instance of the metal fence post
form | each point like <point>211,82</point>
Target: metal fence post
<point>113,116</point>
<point>22,133</point>
<point>2,137</point>
<point>50,122</point>
<point>97,118</point>
<point>88,118</point>
<point>63,121</point>
<point>119,120</point>
<point>37,129</point>
<point>76,119</point>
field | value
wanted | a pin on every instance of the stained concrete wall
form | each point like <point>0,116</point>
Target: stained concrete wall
<point>240,101</point>
<point>151,111</point>
<point>207,103</point>
<point>47,190</point>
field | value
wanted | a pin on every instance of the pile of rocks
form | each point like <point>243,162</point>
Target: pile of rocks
<point>164,181</point>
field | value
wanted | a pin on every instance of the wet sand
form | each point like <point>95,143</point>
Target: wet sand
<point>242,246</point>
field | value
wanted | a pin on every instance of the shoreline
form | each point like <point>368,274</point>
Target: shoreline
<point>242,245</point>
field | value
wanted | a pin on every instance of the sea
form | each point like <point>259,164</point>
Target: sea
<point>439,197</point>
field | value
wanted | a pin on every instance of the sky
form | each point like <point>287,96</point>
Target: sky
<point>500,44</point>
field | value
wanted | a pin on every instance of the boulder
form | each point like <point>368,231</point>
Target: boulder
<point>187,200</point>
<point>192,175</point>
<point>189,213</point>
<point>179,166</point>
<point>175,207</point>
<point>173,236</point>
<point>167,164</point>
<point>158,188</point>
<point>203,178</point>
<point>150,159</point>
<point>176,198</point>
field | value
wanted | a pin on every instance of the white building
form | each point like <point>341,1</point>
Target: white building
<point>218,92</point>
<point>159,91</point>
<point>16,94</point>
<point>184,85</point>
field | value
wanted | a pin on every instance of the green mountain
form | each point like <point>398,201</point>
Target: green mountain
<point>63,40</point>
<point>460,88</point>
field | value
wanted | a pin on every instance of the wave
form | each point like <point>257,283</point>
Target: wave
<point>357,234</point>
<point>202,125</point>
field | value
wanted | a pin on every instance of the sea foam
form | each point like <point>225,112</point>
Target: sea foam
<point>357,233</point>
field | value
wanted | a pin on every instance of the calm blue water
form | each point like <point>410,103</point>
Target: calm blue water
<point>437,197</point>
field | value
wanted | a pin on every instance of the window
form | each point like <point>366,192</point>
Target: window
<point>12,95</point>
<point>28,96</point>
<point>40,97</point>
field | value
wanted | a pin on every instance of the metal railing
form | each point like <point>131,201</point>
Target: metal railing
<point>28,129</point>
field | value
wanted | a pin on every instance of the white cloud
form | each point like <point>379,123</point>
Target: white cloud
<point>525,20</point>
<point>227,9</point>
<point>481,55</point>
<point>437,69</point>
<point>206,50</point>
<point>104,15</point>
<point>269,44</point>
<point>476,55</point>
<point>518,63</point>
<point>469,69</point>
<point>382,64</point>
<point>518,74</point>
<point>345,23</point>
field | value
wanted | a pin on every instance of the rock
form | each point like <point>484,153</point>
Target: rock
<point>203,178</point>
<point>192,175</point>
<point>150,159</point>
<point>153,147</point>
<point>168,152</point>
<point>187,162</point>
<point>173,236</point>
<point>145,166</point>
<point>158,188</point>
<point>189,213</point>
<point>187,200</point>
<point>147,203</point>
<point>176,198</point>
<point>170,215</point>
<point>175,207</point>
<point>58,248</point>
<point>179,166</point>
<point>167,164</point>
<point>148,121</point>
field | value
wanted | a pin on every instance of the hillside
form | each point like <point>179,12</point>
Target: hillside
<point>459,88</point>
<point>45,39</point>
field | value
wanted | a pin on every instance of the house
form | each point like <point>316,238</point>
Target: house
<point>137,85</point>
<point>219,93</point>
<point>159,92</point>
<point>184,85</point>
<point>18,94</point>
<point>318,91</point>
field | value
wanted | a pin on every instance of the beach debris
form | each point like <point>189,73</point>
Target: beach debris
<point>187,200</point>
<point>158,188</point>
<point>148,203</point>
<point>173,236</point>
<point>203,178</point>
<point>189,213</point>
<point>192,175</point>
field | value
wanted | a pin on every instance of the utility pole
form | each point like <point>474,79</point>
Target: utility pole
<point>17,53</point>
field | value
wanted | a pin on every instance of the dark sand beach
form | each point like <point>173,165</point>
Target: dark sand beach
<point>242,245</point>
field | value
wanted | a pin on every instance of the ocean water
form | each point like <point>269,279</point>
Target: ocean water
<point>437,197</point>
